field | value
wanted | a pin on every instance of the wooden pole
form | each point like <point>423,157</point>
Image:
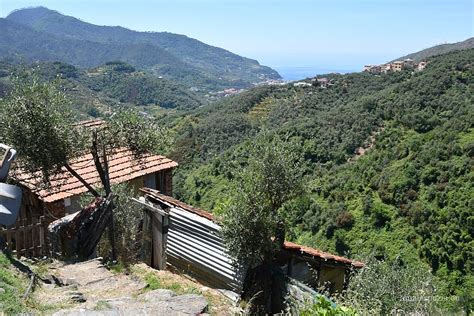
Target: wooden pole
<point>103,171</point>
<point>159,232</point>
<point>84,182</point>
<point>157,235</point>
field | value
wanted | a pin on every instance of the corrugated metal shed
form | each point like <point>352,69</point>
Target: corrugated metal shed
<point>194,245</point>
<point>290,246</point>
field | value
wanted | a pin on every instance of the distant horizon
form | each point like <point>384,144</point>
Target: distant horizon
<point>341,36</point>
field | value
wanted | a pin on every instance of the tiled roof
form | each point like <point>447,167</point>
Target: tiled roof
<point>123,166</point>
<point>289,246</point>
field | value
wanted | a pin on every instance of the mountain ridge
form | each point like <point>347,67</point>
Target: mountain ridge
<point>219,66</point>
<point>439,50</point>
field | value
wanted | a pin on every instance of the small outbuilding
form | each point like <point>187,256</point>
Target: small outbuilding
<point>43,204</point>
<point>190,242</point>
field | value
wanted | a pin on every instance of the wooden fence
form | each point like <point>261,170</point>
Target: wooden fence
<point>27,237</point>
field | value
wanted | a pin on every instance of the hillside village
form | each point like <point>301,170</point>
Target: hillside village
<point>397,65</point>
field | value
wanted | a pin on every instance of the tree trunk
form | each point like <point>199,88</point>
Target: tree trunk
<point>280,233</point>
<point>103,170</point>
<point>84,182</point>
<point>258,290</point>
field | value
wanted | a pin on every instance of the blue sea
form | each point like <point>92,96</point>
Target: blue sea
<point>291,73</point>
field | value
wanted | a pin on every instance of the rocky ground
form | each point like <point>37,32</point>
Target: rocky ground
<point>89,288</point>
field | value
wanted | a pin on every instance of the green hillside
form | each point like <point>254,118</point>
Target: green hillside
<point>40,34</point>
<point>97,91</point>
<point>439,50</point>
<point>409,195</point>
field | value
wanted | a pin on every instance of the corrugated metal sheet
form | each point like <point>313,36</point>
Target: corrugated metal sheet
<point>194,245</point>
<point>289,246</point>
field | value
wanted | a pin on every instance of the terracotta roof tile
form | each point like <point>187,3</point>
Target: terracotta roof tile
<point>154,194</point>
<point>320,254</point>
<point>123,166</point>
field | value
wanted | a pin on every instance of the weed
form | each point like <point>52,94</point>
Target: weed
<point>102,306</point>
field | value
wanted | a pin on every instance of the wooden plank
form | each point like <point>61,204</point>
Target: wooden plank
<point>165,227</point>
<point>146,247</point>
<point>34,237</point>
<point>157,235</point>
<point>17,241</point>
<point>9,240</point>
<point>24,239</point>
<point>41,238</point>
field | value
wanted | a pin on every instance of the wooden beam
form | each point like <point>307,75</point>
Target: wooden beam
<point>150,206</point>
<point>159,241</point>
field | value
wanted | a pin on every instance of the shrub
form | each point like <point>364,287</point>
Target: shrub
<point>344,220</point>
<point>323,306</point>
<point>382,288</point>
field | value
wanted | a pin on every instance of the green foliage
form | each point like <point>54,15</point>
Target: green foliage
<point>324,307</point>
<point>37,122</point>
<point>152,281</point>
<point>123,83</point>
<point>99,91</point>
<point>382,288</point>
<point>155,281</point>
<point>251,217</point>
<point>13,285</point>
<point>408,196</point>
<point>129,128</point>
<point>127,219</point>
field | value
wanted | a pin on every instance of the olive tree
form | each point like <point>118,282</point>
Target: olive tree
<point>253,225</point>
<point>38,122</point>
<point>392,287</point>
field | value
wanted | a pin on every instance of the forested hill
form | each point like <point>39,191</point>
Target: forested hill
<point>100,90</point>
<point>439,50</point>
<point>408,196</point>
<point>40,34</point>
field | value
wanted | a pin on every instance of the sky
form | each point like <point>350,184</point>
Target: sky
<point>332,34</point>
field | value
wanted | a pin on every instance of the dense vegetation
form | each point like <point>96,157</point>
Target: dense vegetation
<point>98,91</point>
<point>14,282</point>
<point>121,81</point>
<point>408,198</point>
<point>39,34</point>
<point>440,49</point>
<point>13,285</point>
